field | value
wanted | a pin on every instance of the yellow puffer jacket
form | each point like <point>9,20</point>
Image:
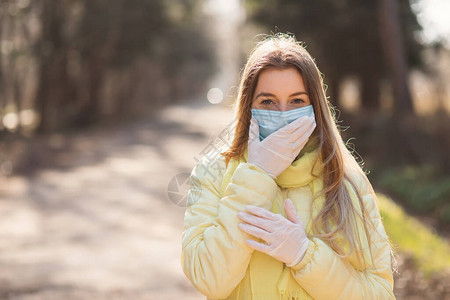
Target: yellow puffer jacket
<point>216,259</point>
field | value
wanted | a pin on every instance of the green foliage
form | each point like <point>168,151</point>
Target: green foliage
<point>420,188</point>
<point>430,252</point>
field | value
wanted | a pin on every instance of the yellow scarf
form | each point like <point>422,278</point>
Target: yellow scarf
<point>265,269</point>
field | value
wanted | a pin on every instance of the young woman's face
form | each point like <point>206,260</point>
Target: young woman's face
<point>280,89</point>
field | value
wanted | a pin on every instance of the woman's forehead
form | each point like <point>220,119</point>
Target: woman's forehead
<point>280,81</point>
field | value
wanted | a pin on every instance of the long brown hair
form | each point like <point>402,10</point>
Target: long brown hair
<point>283,51</point>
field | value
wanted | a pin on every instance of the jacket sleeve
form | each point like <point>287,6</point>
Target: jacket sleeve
<point>325,275</point>
<point>215,256</point>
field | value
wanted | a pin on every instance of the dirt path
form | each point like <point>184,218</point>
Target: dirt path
<point>98,224</point>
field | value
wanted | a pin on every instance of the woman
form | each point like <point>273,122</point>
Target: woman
<point>244,229</point>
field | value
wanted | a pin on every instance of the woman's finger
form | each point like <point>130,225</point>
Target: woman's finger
<point>255,221</point>
<point>258,246</point>
<point>255,231</point>
<point>253,130</point>
<point>302,131</point>
<point>301,140</point>
<point>291,212</point>
<point>261,212</point>
<point>294,125</point>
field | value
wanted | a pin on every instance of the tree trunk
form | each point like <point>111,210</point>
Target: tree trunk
<point>370,91</point>
<point>392,44</point>
<point>54,82</point>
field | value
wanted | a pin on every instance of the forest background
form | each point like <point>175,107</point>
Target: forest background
<point>105,106</point>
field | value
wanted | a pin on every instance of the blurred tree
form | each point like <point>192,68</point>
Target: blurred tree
<point>2,91</point>
<point>344,38</point>
<point>98,59</point>
<point>12,62</point>
<point>51,50</point>
<point>101,35</point>
<point>188,52</point>
<point>392,42</point>
<point>112,34</point>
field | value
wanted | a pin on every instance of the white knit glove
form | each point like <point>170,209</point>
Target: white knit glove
<point>285,239</point>
<point>277,151</point>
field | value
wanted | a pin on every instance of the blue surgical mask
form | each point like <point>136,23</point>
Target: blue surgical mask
<point>272,120</point>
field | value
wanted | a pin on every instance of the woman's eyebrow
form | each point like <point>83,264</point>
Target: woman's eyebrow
<point>270,94</point>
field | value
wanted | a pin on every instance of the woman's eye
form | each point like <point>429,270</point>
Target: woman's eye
<point>298,101</point>
<point>266,101</point>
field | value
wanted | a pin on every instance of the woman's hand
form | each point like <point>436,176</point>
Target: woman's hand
<point>285,239</point>
<point>277,151</point>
